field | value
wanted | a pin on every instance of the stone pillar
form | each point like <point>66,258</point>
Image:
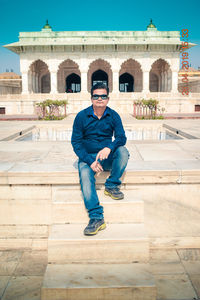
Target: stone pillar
<point>162,81</point>
<point>166,82</point>
<point>145,81</point>
<point>53,80</point>
<point>174,81</point>
<point>83,81</point>
<point>115,81</point>
<point>36,83</point>
<point>170,81</point>
<point>25,83</point>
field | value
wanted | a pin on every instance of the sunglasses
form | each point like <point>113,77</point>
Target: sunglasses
<point>96,97</point>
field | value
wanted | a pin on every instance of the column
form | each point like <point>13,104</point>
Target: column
<point>174,81</point>
<point>84,82</point>
<point>53,75</point>
<point>146,81</point>
<point>115,81</point>
<point>165,87</point>
<point>33,82</point>
<point>25,83</point>
<point>36,83</point>
<point>162,81</point>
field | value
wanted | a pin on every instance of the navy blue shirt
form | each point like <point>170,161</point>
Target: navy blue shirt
<point>90,134</point>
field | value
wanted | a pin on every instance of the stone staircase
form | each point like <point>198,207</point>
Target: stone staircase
<point>114,264</point>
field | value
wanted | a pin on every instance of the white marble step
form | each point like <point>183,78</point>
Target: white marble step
<point>117,242</point>
<point>98,282</point>
<point>68,207</point>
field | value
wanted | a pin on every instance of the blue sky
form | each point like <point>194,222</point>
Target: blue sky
<point>63,15</point>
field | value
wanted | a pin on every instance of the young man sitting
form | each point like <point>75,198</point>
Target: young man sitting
<point>91,139</point>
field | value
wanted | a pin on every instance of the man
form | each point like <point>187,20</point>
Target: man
<point>92,142</point>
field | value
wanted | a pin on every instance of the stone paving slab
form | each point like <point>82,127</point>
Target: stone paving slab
<point>9,261</point>
<point>3,284</point>
<point>174,286</point>
<point>23,287</point>
<point>164,255</point>
<point>195,279</point>
<point>31,263</point>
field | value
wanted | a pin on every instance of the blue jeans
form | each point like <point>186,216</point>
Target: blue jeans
<point>116,163</point>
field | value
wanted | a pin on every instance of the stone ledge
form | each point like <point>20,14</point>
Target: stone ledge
<point>71,177</point>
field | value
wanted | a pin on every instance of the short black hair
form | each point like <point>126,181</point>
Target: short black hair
<point>99,85</point>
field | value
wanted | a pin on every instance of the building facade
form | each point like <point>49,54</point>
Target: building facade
<point>66,64</point>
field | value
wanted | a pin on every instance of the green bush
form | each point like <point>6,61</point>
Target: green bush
<point>153,106</point>
<point>49,109</point>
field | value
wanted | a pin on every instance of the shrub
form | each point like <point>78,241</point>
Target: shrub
<point>51,109</point>
<point>148,109</point>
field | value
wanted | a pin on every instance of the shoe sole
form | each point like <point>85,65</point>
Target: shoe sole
<point>103,226</point>
<point>113,197</point>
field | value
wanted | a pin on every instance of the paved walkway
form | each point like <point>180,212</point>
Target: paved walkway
<point>176,273</point>
<point>153,154</point>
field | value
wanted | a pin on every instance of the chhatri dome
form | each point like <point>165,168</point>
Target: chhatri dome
<point>47,26</point>
<point>151,25</point>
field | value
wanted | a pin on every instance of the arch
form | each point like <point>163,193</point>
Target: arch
<point>133,68</point>
<point>39,77</point>
<point>100,66</point>
<point>99,76</point>
<point>66,68</point>
<point>73,83</point>
<point>126,83</point>
<point>160,76</point>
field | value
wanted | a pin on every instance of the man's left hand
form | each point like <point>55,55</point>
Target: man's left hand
<point>103,154</point>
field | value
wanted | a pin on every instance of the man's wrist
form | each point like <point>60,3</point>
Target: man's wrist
<point>109,148</point>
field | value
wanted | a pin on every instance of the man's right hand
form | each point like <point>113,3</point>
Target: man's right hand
<point>96,166</point>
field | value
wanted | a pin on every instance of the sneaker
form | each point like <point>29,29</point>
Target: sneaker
<point>94,226</point>
<point>114,193</point>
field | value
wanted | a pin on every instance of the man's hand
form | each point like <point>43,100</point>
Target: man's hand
<point>96,166</point>
<point>103,154</point>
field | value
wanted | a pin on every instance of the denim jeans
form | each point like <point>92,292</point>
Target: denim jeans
<point>116,163</point>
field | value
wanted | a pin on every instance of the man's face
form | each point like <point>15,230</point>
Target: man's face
<point>100,102</point>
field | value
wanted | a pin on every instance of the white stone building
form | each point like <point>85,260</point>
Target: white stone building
<point>134,64</point>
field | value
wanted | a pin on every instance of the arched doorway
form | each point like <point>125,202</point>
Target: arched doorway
<point>39,77</point>
<point>99,76</point>
<point>99,70</point>
<point>73,83</point>
<point>68,75</point>
<point>126,83</point>
<point>130,76</point>
<point>160,76</point>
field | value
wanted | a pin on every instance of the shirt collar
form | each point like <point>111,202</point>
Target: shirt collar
<point>91,111</point>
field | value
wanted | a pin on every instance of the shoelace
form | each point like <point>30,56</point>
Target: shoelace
<point>116,189</point>
<point>92,221</point>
